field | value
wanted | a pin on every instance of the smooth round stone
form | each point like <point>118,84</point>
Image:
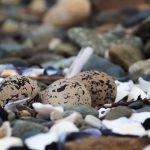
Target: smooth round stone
<point>146,124</point>
<point>11,116</point>
<point>102,64</point>
<point>145,108</point>
<point>93,121</point>
<point>84,110</point>
<point>25,129</point>
<point>56,115</point>
<point>120,111</point>
<point>136,105</point>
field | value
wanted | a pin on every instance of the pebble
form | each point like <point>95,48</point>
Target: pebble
<point>5,130</point>
<point>102,64</point>
<point>147,147</point>
<point>136,105</point>
<point>101,86</point>
<point>125,126</point>
<point>9,142</point>
<point>84,110</point>
<point>120,111</point>
<point>147,49</point>
<point>63,127</point>
<point>146,124</point>
<point>66,91</point>
<point>65,13</point>
<point>145,108</point>
<point>45,110</point>
<point>25,129</point>
<point>56,115</point>
<point>43,139</point>
<point>93,121</point>
<point>24,113</point>
<point>125,55</point>
<point>86,37</point>
<point>143,84</point>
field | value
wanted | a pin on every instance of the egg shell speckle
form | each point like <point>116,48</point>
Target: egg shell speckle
<point>66,91</point>
<point>101,86</point>
<point>17,87</point>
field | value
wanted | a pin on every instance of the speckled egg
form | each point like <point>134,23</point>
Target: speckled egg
<point>17,87</point>
<point>101,86</point>
<point>66,91</point>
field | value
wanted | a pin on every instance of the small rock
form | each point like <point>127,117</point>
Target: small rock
<point>143,84</point>
<point>103,112</point>
<point>63,127</point>
<point>146,124</point>
<point>25,129</point>
<point>93,121</point>
<point>24,113</point>
<point>9,142</point>
<point>84,110</point>
<point>65,13</point>
<point>42,139</point>
<point>5,130</point>
<point>89,38</point>
<point>125,126</point>
<point>145,108</point>
<point>125,55</point>
<point>139,68</point>
<point>102,64</point>
<point>120,111</point>
<point>11,116</point>
<point>136,105</point>
<point>147,49</point>
<point>56,115</point>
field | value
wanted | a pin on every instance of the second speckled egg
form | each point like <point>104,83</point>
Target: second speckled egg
<point>101,86</point>
<point>65,91</point>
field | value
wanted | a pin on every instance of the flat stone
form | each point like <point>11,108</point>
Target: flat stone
<point>25,129</point>
<point>86,37</point>
<point>107,143</point>
<point>125,55</point>
<point>102,64</point>
<point>93,121</point>
<point>145,108</point>
<point>84,110</point>
<point>120,111</point>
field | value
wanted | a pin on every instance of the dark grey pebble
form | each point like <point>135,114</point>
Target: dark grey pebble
<point>146,124</point>
<point>136,105</point>
<point>3,114</point>
<point>145,108</point>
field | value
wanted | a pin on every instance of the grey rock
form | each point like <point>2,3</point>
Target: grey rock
<point>126,52</point>
<point>120,111</point>
<point>145,108</point>
<point>11,116</point>
<point>136,105</point>
<point>102,64</point>
<point>86,37</point>
<point>84,110</point>
<point>25,129</point>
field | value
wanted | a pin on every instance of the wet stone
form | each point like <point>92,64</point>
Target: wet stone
<point>120,111</point>
<point>136,105</point>
<point>84,110</point>
<point>25,129</point>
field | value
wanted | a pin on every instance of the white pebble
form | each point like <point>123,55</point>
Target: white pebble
<point>7,142</point>
<point>93,121</point>
<point>46,109</point>
<point>63,127</point>
<point>125,126</point>
<point>144,85</point>
<point>147,147</point>
<point>6,128</point>
<point>40,141</point>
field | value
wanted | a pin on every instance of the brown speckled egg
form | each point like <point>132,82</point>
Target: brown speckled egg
<point>65,91</point>
<point>101,86</point>
<point>17,87</point>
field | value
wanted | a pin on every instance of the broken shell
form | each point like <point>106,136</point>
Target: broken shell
<point>101,86</point>
<point>65,91</point>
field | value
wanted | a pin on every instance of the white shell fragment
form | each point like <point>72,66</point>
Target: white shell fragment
<point>135,92</point>
<point>8,142</point>
<point>40,141</point>
<point>93,121</point>
<point>81,59</point>
<point>140,117</point>
<point>45,109</point>
<point>103,112</point>
<point>63,127</point>
<point>144,85</point>
<point>125,126</point>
